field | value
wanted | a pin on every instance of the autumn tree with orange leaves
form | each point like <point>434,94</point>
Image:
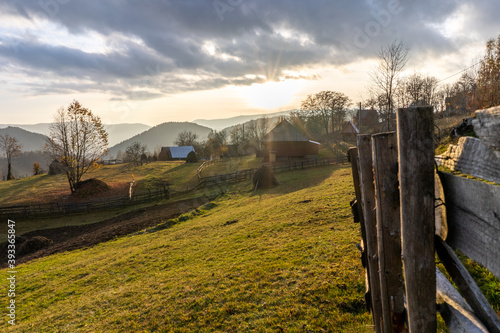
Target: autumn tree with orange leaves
<point>78,140</point>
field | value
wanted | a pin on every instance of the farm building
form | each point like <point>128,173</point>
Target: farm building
<point>349,132</point>
<point>367,121</point>
<point>175,153</point>
<point>285,140</point>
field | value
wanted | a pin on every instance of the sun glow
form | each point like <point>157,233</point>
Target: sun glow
<point>271,95</point>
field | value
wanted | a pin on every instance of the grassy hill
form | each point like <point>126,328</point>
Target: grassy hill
<point>45,188</point>
<point>279,260</point>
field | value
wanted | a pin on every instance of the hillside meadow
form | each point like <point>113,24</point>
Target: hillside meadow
<point>277,260</point>
<point>45,188</point>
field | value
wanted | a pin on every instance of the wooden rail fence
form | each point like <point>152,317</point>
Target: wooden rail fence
<point>247,174</point>
<point>407,213</point>
<point>210,162</point>
<point>63,208</point>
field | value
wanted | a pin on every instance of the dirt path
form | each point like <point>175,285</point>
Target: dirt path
<point>77,237</point>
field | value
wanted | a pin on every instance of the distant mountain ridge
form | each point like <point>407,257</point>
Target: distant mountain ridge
<point>220,124</point>
<point>30,141</point>
<point>116,132</point>
<point>161,135</point>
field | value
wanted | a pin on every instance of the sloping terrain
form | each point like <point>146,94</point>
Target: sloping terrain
<point>277,260</point>
<point>69,238</point>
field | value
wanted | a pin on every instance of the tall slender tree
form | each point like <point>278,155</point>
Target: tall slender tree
<point>488,78</point>
<point>392,60</point>
<point>11,148</point>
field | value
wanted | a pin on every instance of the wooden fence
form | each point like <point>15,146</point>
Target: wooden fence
<point>247,174</point>
<point>64,208</point>
<point>407,211</point>
<point>112,162</point>
<point>210,162</point>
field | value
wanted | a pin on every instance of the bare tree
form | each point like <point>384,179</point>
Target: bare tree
<point>239,139</point>
<point>257,129</point>
<point>316,105</point>
<point>464,92</point>
<point>186,138</point>
<point>78,140</point>
<point>11,148</point>
<point>384,77</point>
<point>416,89</point>
<point>135,153</point>
<point>329,106</point>
<point>216,143</point>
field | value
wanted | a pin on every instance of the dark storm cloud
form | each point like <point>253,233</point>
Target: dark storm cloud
<point>160,47</point>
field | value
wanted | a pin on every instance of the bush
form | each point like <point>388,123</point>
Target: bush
<point>36,168</point>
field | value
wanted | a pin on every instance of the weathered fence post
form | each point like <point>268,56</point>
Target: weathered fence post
<point>358,215</point>
<point>416,179</point>
<point>365,167</point>
<point>385,167</point>
<point>353,157</point>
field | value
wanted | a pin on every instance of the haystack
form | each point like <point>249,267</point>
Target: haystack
<point>55,168</point>
<point>264,178</point>
<point>91,187</point>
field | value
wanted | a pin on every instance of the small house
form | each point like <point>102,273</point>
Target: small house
<point>285,141</point>
<point>349,132</point>
<point>367,121</point>
<point>175,153</point>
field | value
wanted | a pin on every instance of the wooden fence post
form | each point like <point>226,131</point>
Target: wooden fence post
<point>385,167</point>
<point>416,178</point>
<point>365,167</point>
<point>353,156</point>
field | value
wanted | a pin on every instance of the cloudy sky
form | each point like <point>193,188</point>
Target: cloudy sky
<point>174,60</point>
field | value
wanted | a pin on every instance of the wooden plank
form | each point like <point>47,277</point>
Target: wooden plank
<point>385,168</point>
<point>353,158</point>
<point>468,287</point>
<point>365,167</point>
<point>457,314</point>
<point>416,180</point>
<point>473,209</point>
<point>353,155</point>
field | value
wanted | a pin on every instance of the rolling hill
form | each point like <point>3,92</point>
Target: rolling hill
<point>33,144</point>
<point>30,141</point>
<point>162,135</point>
<point>220,124</point>
<point>117,132</point>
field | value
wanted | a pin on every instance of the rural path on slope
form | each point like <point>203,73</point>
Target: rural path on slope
<point>81,236</point>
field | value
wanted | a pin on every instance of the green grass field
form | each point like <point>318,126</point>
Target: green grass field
<point>232,165</point>
<point>279,260</point>
<point>44,188</point>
